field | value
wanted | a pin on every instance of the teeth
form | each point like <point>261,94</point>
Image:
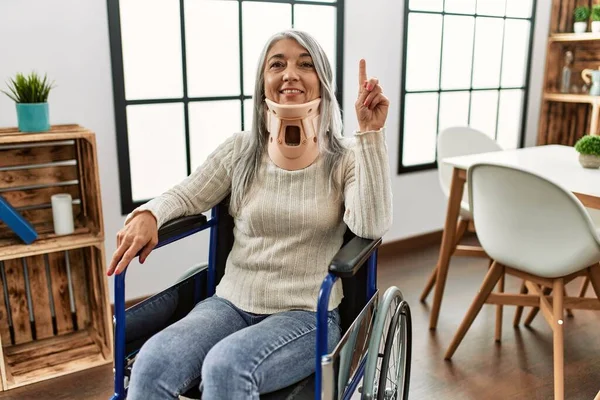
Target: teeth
<point>290,91</point>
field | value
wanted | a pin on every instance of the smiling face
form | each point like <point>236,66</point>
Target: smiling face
<point>290,75</point>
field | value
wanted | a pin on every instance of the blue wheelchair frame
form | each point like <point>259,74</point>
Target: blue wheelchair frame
<point>322,306</point>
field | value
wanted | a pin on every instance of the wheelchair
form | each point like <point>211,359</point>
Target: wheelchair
<point>376,342</point>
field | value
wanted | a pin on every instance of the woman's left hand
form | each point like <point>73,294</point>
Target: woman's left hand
<point>371,106</point>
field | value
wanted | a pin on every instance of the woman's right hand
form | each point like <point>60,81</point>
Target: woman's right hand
<point>141,233</point>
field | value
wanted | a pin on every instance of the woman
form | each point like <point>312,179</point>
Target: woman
<point>258,333</point>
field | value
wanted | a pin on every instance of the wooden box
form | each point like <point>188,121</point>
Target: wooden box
<point>55,316</point>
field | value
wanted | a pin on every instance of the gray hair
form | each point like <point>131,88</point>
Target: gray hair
<point>330,131</point>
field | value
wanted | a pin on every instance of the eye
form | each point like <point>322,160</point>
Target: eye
<point>307,64</point>
<point>276,64</point>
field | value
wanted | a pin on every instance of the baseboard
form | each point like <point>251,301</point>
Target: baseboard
<point>401,246</point>
<point>387,249</point>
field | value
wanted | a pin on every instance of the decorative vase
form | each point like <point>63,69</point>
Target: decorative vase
<point>33,117</point>
<point>589,161</point>
<point>596,26</point>
<point>579,27</point>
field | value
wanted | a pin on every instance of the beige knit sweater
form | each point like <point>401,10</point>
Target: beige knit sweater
<point>290,227</point>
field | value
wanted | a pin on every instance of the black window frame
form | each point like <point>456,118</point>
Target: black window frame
<point>401,169</point>
<point>121,103</point>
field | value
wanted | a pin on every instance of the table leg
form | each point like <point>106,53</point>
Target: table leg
<point>456,192</point>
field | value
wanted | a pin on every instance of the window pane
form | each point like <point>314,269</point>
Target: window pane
<point>248,114</point>
<point>516,45</point>
<point>213,66</point>
<point>420,124</point>
<point>460,6</point>
<point>484,105</point>
<point>260,22</point>
<point>458,52</point>
<point>519,8</point>
<point>488,46</point>
<point>151,56</point>
<point>510,118</point>
<point>491,7</point>
<point>423,51</point>
<point>454,110</point>
<point>319,21</point>
<point>426,5</point>
<point>156,148</point>
<point>211,122</point>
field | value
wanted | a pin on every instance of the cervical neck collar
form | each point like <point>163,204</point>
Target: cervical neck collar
<point>293,134</point>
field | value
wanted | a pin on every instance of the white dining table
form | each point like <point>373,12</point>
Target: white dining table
<point>556,163</point>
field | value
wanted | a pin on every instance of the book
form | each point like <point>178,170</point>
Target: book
<point>16,222</point>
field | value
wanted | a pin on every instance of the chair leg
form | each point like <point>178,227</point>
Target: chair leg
<point>498,336</point>
<point>557,338</point>
<point>519,311</point>
<point>569,311</point>
<point>461,228</point>
<point>584,286</point>
<point>535,310</point>
<point>429,285</point>
<point>594,277</point>
<point>491,278</point>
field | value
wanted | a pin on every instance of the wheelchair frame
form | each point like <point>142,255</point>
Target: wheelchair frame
<point>343,265</point>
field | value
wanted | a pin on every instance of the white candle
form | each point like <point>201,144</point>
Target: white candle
<point>62,213</point>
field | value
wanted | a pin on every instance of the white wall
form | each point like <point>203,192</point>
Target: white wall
<point>68,39</point>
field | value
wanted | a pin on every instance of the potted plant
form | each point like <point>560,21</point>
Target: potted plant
<point>30,94</point>
<point>595,18</point>
<point>588,148</point>
<point>580,15</point>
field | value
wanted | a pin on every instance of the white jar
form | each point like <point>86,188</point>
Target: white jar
<point>62,213</point>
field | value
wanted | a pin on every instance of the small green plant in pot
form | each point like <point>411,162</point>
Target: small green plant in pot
<point>588,148</point>
<point>30,94</point>
<point>595,18</point>
<point>580,16</point>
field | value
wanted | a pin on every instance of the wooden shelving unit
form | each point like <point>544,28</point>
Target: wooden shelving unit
<point>566,117</point>
<point>55,316</point>
<point>574,37</point>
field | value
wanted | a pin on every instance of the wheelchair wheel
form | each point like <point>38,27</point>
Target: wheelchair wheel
<point>394,375</point>
<point>387,370</point>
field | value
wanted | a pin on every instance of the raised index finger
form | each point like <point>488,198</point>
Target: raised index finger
<point>362,72</point>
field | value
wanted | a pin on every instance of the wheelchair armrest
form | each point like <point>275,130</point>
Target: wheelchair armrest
<point>351,256</point>
<point>179,228</point>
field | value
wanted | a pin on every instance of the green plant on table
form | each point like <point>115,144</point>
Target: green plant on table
<point>29,89</point>
<point>588,144</point>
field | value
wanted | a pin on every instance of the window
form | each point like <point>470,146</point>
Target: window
<point>466,62</point>
<point>183,76</point>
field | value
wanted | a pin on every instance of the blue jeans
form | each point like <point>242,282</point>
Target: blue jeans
<point>236,354</point>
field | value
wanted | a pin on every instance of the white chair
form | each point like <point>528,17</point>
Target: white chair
<point>537,231</point>
<point>452,142</point>
<point>595,215</point>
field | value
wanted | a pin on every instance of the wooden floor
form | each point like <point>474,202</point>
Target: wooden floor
<point>518,368</point>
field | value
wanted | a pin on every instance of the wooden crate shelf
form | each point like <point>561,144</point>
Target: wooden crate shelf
<point>49,244</point>
<point>566,117</point>
<point>574,37</point>
<point>50,358</point>
<point>55,317</point>
<point>572,98</point>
